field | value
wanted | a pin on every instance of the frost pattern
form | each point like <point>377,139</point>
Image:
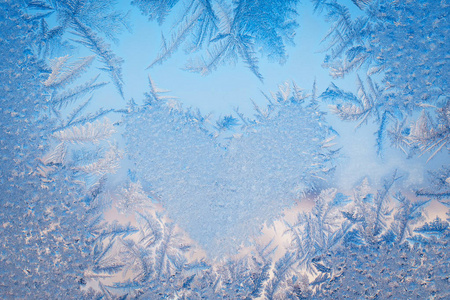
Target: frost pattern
<point>405,45</point>
<point>224,192</point>
<point>85,21</point>
<point>358,246</point>
<point>226,31</point>
<point>44,244</point>
<point>49,192</point>
<point>372,242</point>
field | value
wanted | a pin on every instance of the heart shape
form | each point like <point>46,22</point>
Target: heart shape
<point>222,195</point>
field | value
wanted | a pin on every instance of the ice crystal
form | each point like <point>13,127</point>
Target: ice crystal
<point>224,192</point>
<point>228,30</point>
<point>69,229</point>
<point>403,43</point>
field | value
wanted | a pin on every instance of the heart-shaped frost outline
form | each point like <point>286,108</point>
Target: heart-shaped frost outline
<point>222,194</point>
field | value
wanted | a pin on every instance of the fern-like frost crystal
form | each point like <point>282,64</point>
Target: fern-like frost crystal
<point>222,193</point>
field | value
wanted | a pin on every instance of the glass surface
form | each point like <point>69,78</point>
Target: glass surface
<point>218,149</point>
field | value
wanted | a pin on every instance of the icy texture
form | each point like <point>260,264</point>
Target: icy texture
<point>367,245</point>
<point>78,23</point>
<point>48,187</point>
<point>222,194</point>
<point>219,185</point>
<point>403,48</point>
<point>42,232</point>
<point>406,42</point>
<point>227,30</point>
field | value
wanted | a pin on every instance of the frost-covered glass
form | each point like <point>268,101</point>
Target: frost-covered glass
<point>323,172</point>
